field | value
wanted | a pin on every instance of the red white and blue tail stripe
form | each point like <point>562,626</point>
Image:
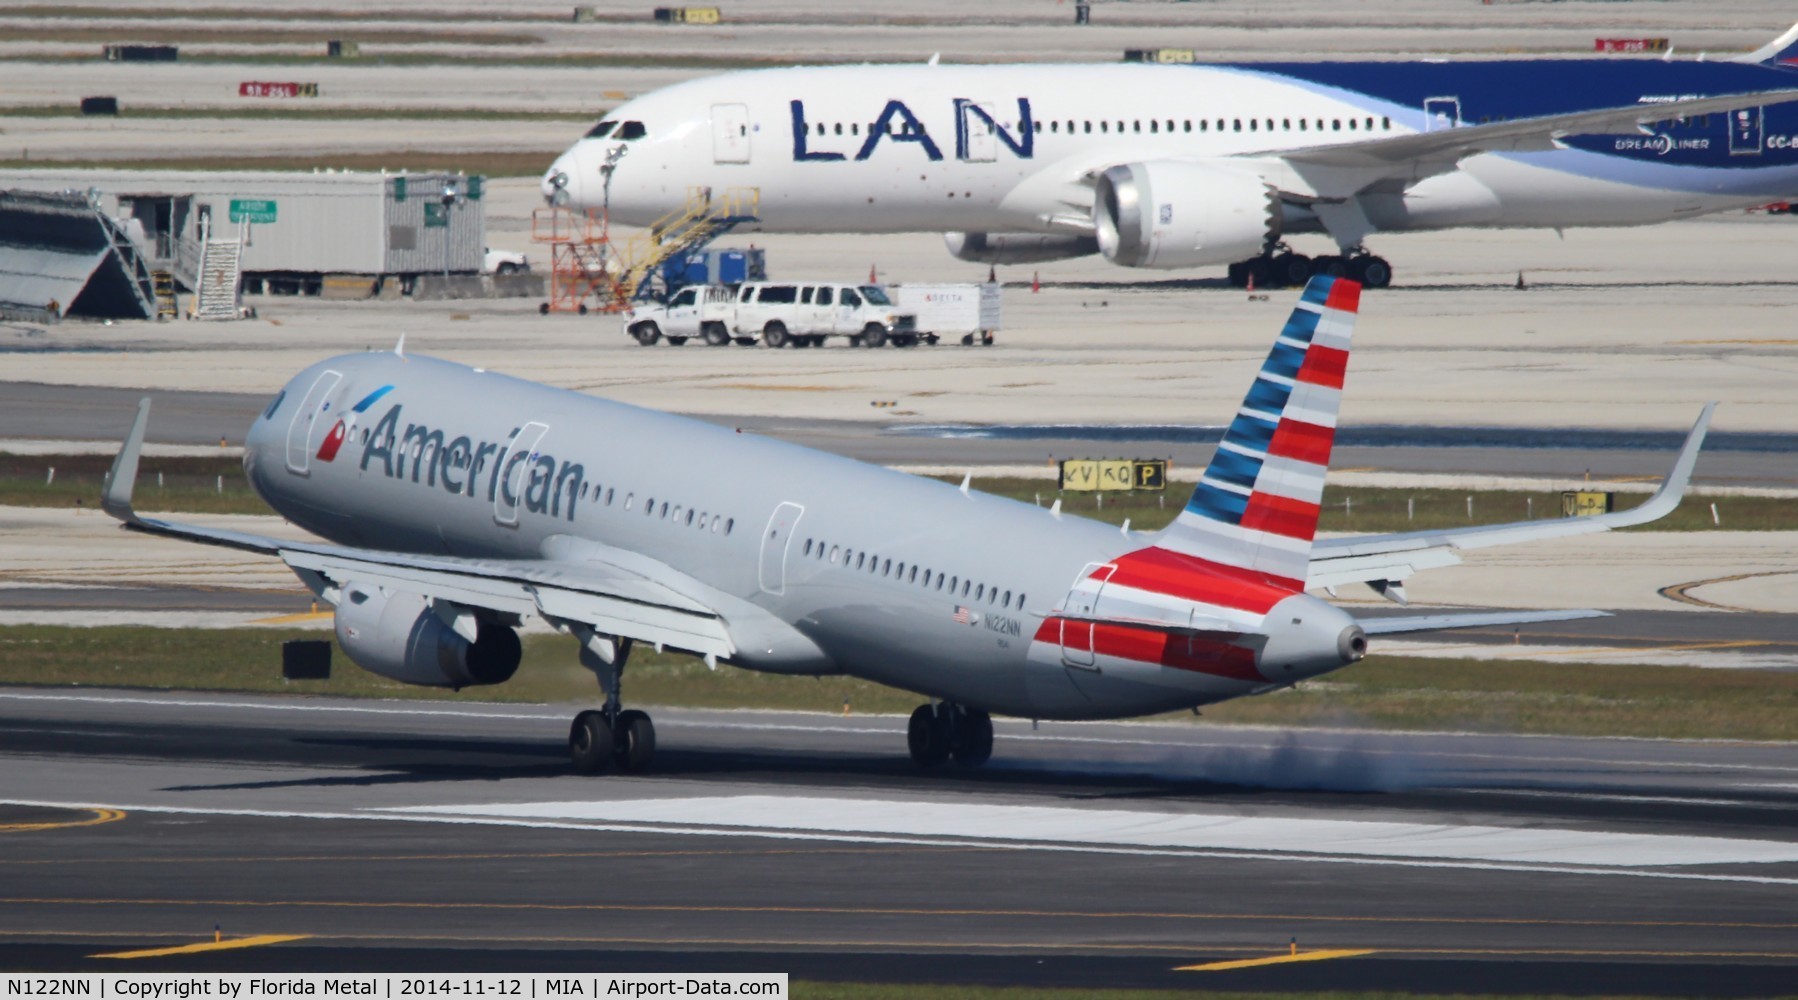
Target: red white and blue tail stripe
<point>1256,506</point>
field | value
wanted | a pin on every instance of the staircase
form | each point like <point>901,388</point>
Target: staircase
<point>691,227</point>
<point>221,272</point>
<point>137,270</point>
<point>164,283</point>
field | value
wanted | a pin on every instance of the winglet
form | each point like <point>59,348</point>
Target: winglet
<point>1781,51</point>
<point>115,498</point>
<point>1673,488</point>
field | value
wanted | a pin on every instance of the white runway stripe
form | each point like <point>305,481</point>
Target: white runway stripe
<point>1130,828</point>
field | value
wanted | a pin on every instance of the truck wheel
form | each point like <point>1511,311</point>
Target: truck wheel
<point>506,267</point>
<point>818,341</point>
<point>967,340</point>
<point>775,334</point>
<point>874,335</point>
<point>716,335</point>
<point>646,333</point>
<point>677,341</point>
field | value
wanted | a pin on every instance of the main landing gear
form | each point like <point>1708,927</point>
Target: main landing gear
<point>942,731</point>
<point>1280,267</point>
<point>613,736</point>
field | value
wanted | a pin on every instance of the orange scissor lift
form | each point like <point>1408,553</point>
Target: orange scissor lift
<point>585,262</point>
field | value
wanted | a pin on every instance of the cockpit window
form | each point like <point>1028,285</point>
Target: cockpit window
<point>274,404</point>
<point>630,130</point>
<point>602,130</point>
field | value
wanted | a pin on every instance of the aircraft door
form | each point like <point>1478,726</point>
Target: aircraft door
<point>1441,113</point>
<point>304,428</point>
<point>1082,601</point>
<point>519,458</point>
<point>1745,132</point>
<point>777,541</point>
<point>730,133</point>
<point>979,137</point>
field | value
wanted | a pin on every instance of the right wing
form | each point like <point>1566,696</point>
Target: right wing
<point>1385,561</point>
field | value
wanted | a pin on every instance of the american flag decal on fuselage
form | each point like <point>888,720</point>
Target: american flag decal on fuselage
<point>1256,506</point>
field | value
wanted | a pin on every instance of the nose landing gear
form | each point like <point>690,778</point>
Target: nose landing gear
<point>943,731</point>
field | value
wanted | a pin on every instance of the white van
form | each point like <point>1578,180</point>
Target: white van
<point>782,314</point>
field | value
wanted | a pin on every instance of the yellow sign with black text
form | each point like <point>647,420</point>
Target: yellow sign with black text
<point>1113,475</point>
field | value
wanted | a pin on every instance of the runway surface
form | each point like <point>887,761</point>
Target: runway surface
<point>97,413</point>
<point>449,836</point>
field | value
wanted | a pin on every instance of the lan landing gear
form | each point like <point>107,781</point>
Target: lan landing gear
<point>943,731</point>
<point>1281,268</point>
<point>613,736</point>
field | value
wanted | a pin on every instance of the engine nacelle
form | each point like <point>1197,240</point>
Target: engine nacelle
<point>399,636</point>
<point>1018,248</point>
<point>1168,214</point>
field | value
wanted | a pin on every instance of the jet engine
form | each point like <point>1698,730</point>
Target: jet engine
<point>400,636</point>
<point>1018,248</point>
<point>1169,214</point>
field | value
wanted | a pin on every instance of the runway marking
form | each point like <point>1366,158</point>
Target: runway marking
<point>1525,653</point>
<point>189,949</point>
<point>1059,848</point>
<point>1250,963</point>
<point>253,859</point>
<point>100,816</point>
<point>301,618</point>
<point>1682,591</point>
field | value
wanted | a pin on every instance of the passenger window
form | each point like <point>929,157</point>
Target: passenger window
<point>1008,598</point>
<point>1237,123</point>
<point>1105,126</point>
<point>861,559</point>
<point>850,298</point>
<point>608,497</point>
<point>808,546</point>
<point>839,129</point>
<point>914,575</point>
<point>631,130</point>
<point>629,498</point>
<point>689,517</point>
<point>1020,600</point>
<point>834,552</point>
<point>887,568</point>
<point>1170,125</point>
<point>979,592</point>
<point>1253,124</point>
<point>1301,124</point>
<point>1088,129</point>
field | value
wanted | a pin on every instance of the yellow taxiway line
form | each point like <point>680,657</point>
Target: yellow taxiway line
<point>299,619</point>
<point>188,949</point>
<point>1250,963</point>
<point>100,816</point>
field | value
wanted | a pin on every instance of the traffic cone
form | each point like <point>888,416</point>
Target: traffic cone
<point>1036,282</point>
<point>872,280</point>
<point>992,275</point>
<point>1251,279</point>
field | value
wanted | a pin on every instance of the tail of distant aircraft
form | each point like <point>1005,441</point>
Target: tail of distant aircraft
<point>1781,51</point>
<point>1257,504</point>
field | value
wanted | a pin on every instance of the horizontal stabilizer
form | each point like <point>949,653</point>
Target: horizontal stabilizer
<point>1398,625</point>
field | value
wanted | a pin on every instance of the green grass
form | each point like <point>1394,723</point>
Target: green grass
<point>1384,693</point>
<point>486,163</point>
<point>191,484</point>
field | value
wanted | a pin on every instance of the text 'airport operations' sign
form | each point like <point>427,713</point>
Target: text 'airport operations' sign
<point>1118,475</point>
<point>258,210</point>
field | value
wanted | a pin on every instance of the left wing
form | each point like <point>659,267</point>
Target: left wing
<point>1343,169</point>
<point>591,588</point>
<point>1385,561</point>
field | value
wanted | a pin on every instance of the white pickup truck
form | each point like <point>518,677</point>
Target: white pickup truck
<point>782,314</point>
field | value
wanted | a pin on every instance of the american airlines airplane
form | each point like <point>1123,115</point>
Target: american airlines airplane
<point>1182,166</point>
<point>457,502</point>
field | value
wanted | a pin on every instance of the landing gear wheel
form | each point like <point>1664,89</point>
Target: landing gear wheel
<point>1238,274</point>
<point>972,744</point>
<point>1331,266</point>
<point>1289,269</point>
<point>1371,271</point>
<point>634,744</point>
<point>874,335</point>
<point>590,743</point>
<point>677,341</point>
<point>775,334</point>
<point>716,335</point>
<point>927,738</point>
<point>646,333</point>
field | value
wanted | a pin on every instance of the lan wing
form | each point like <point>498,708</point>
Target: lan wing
<point>1342,170</point>
<point>1385,561</point>
<point>600,596</point>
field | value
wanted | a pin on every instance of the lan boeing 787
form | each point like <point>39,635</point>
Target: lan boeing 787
<point>457,502</point>
<point>1180,166</point>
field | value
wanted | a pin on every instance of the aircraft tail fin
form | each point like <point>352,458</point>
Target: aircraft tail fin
<point>1781,51</point>
<point>1257,504</point>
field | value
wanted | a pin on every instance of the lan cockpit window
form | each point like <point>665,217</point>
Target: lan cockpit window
<point>602,130</point>
<point>625,131</point>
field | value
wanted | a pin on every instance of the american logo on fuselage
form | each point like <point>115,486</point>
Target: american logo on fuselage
<point>340,431</point>
<point>896,123</point>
